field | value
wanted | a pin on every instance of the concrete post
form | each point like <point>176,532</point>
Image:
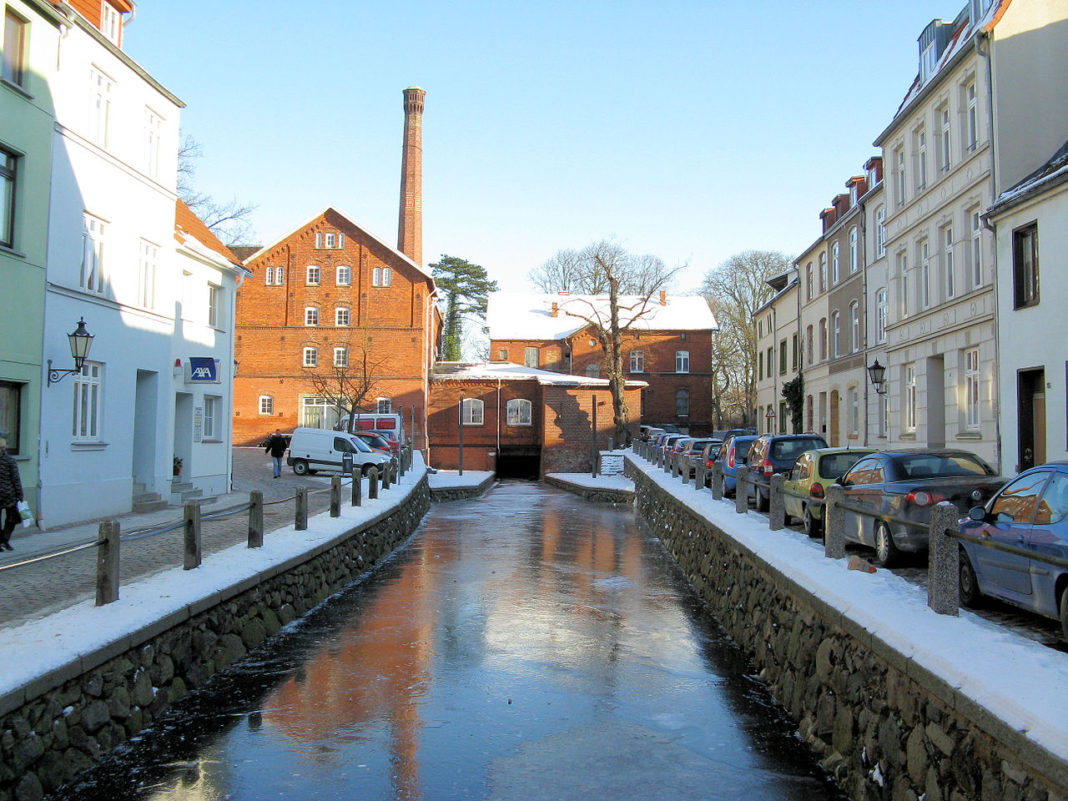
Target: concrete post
<point>674,466</point>
<point>741,490</point>
<point>699,477</point>
<point>192,556</point>
<point>943,568</point>
<point>684,468</point>
<point>255,519</point>
<point>394,466</point>
<point>357,488</point>
<point>335,496</point>
<point>107,562</point>
<point>372,483</point>
<point>834,523</point>
<point>717,481</point>
<point>386,470</point>
<point>776,503</point>
<point>300,522</point>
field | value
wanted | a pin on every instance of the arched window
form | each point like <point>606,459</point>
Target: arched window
<point>593,371</point>
<point>472,413</point>
<point>381,276</point>
<point>854,326</point>
<point>836,329</point>
<point>834,263</point>
<point>823,339</point>
<point>823,272</point>
<point>881,310</point>
<point>518,412</point>
<point>682,403</point>
<point>854,256</point>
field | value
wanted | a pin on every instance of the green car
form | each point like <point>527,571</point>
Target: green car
<point>806,486</point>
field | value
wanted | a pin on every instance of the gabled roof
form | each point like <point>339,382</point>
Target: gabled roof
<point>521,315</point>
<point>190,229</point>
<point>348,219</point>
<point>504,371</point>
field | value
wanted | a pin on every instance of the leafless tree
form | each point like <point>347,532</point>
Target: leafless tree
<point>230,221</point>
<point>735,290</point>
<point>347,386</point>
<point>629,283</point>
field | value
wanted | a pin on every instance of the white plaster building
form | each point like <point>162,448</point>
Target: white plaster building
<point>876,301</point>
<point>111,432</point>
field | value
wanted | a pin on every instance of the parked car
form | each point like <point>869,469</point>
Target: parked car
<point>667,442</point>
<point>906,484</point>
<point>776,453</point>
<point>313,449</point>
<point>807,483</point>
<point>693,453</point>
<point>375,440</point>
<point>647,432</point>
<point>1029,512</point>
<point>733,453</point>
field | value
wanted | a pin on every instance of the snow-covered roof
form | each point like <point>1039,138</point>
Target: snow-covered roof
<point>1053,173</point>
<point>492,371</point>
<point>522,315</point>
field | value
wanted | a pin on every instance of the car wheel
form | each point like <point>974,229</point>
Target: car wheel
<point>810,524</point>
<point>300,467</point>
<point>969,584</point>
<point>761,503</point>
<point>1064,613</point>
<point>886,553</point>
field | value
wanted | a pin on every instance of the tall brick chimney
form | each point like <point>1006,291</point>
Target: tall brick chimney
<point>410,228</point>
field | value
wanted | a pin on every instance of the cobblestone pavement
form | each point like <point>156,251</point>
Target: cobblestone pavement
<point>30,589</point>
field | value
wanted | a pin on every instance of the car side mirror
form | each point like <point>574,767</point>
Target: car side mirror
<point>977,513</point>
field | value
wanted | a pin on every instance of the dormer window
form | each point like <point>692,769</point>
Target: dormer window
<point>110,23</point>
<point>928,61</point>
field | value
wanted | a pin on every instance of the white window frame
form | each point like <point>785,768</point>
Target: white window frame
<point>16,29</point>
<point>836,330</point>
<point>110,22</point>
<point>311,357</point>
<point>882,310</point>
<point>854,247</point>
<point>823,272</point>
<point>383,405</point>
<point>637,361</point>
<point>473,412</point>
<point>880,231</point>
<point>903,270</point>
<point>682,402</point>
<point>212,418</point>
<point>94,231</point>
<point>972,389</point>
<point>341,357</point>
<point>947,262</point>
<point>148,272</point>
<point>682,361</point>
<point>593,370</point>
<point>318,240</point>
<point>101,86</point>
<point>313,275</point>
<point>341,317</point>
<point>971,117</point>
<point>215,305</point>
<point>854,325</point>
<point>910,398</point>
<point>330,242</point>
<point>311,316</point>
<point>921,157</point>
<point>9,194</point>
<point>809,286</point>
<point>518,412</point>
<point>853,406</point>
<point>88,416</point>
<point>823,338</point>
<point>343,275</point>
<point>976,248</point>
<point>900,180</point>
<point>924,253</point>
<point>531,357</point>
<point>266,404</point>
<point>835,265</point>
<point>946,137</point>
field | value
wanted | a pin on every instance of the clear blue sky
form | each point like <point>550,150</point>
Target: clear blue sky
<point>690,130</point>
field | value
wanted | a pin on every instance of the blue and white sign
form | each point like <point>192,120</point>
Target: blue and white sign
<point>202,370</point>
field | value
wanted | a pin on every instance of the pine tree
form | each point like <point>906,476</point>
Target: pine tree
<point>465,288</point>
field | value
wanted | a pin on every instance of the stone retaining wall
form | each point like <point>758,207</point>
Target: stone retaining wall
<point>881,725</point>
<point>595,494</point>
<point>461,493</point>
<point>63,725</point>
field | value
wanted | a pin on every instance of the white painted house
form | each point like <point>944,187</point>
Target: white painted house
<point>115,258</point>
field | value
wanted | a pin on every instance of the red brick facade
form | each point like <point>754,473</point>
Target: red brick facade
<point>560,429</point>
<point>659,364</point>
<point>367,298</point>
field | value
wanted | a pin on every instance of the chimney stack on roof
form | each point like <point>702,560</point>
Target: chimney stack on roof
<point>556,310</point>
<point>663,297</point>
<point>410,228</point>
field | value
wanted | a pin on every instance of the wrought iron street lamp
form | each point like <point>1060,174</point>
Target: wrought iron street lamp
<point>80,342</point>
<point>877,374</point>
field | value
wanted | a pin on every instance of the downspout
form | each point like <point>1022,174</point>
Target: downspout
<point>864,294</point>
<point>995,393</point>
<point>498,457</point>
<point>238,281</point>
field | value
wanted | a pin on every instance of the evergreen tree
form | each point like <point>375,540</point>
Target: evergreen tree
<point>465,289</point>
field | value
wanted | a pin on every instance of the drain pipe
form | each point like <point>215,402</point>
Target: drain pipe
<point>497,458</point>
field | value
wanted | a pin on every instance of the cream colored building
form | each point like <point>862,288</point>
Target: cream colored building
<point>778,353</point>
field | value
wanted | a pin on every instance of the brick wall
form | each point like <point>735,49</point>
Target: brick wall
<point>388,324</point>
<point>568,423</point>
<point>480,441</point>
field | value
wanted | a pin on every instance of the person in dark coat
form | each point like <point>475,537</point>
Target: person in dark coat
<point>10,495</point>
<point>276,446</point>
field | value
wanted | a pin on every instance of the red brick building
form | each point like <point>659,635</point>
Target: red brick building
<point>519,421</point>
<point>667,344</point>
<point>324,296</point>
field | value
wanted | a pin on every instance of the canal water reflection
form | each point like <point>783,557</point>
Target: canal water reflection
<point>528,645</point>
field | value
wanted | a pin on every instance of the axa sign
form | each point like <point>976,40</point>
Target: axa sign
<point>203,370</point>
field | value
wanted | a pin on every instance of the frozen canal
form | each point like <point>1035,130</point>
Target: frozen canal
<point>528,645</point>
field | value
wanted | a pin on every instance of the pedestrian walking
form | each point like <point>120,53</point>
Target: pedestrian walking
<point>10,495</point>
<point>276,446</point>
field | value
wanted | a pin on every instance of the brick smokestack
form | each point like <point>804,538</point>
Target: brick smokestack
<point>410,228</point>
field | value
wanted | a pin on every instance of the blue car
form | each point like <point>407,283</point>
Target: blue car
<point>1029,513</point>
<point>732,453</point>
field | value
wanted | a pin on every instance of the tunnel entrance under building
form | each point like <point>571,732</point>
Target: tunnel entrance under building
<point>519,461</point>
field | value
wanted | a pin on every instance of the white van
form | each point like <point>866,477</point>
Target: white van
<point>313,449</point>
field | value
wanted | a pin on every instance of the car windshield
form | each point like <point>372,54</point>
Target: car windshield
<point>792,448</point>
<point>834,465</point>
<point>360,445</point>
<point>926,465</point>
